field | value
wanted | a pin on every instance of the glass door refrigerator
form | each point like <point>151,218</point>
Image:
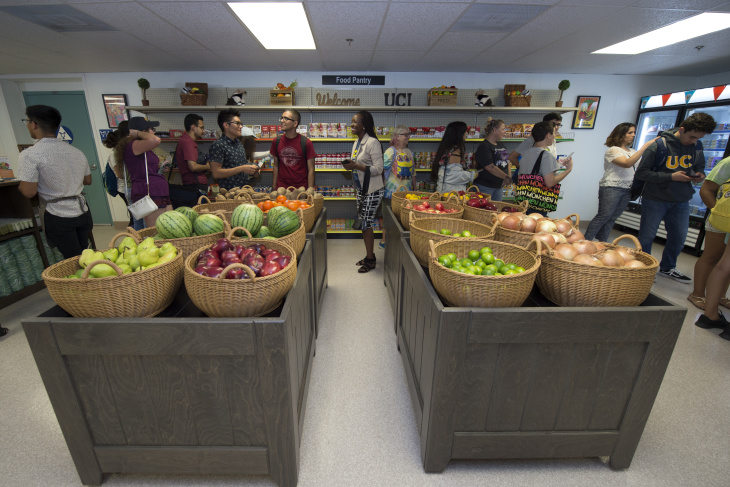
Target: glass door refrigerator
<point>663,112</point>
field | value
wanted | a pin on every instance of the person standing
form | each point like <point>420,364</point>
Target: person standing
<point>614,188</point>
<point>57,173</point>
<point>293,154</point>
<point>557,121</point>
<point>227,156</point>
<point>366,164</point>
<point>398,167</point>
<point>492,161</point>
<point>668,190</point>
<point>192,174</point>
<point>143,165</point>
<point>449,166</point>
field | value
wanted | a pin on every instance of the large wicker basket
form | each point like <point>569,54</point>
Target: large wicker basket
<point>523,238</point>
<point>256,296</point>
<point>295,240</point>
<point>140,294</point>
<point>254,196</point>
<point>484,216</point>
<point>567,283</point>
<point>398,197</point>
<point>466,290</point>
<point>421,233</point>
<point>310,214</point>
<point>451,203</point>
<point>198,99</point>
<point>318,203</point>
<point>516,101</point>
<point>184,245</point>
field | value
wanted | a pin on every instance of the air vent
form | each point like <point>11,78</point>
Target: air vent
<point>486,17</point>
<point>61,18</point>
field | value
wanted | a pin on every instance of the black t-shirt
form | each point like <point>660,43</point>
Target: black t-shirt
<point>489,154</point>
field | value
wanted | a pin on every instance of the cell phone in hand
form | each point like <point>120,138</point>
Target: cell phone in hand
<point>345,161</point>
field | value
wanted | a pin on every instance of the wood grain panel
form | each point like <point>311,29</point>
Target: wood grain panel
<point>207,381</point>
<point>512,382</point>
<point>95,394</point>
<point>428,357</point>
<point>244,389</point>
<point>147,336</point>
<point>132,397</point>
<point>581,389</point>
<point>165,377</point>
<point>183,460</point>
<point>473,400</point>
<point>533,445</point>
<point>552,366</point>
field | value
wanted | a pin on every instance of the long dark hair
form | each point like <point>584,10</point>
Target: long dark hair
<point>453,137</point>
<point>112,140</point>
<point>616,139</point>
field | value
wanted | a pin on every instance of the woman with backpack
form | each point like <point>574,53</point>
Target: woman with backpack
<point>449,168</point>
<point>114,182</point>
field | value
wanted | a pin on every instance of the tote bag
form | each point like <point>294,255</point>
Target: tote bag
<point>145,206</point>
<point>532,187</point>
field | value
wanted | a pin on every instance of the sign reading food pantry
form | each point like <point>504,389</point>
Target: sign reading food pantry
<point>353,80</point>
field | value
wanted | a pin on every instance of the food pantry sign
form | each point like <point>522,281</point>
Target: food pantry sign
<point>353,80</point>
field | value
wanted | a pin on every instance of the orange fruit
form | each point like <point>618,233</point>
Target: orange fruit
<point>281,199</point>
<point>267,205</point>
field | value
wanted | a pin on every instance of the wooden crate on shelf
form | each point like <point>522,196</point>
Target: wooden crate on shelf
<point>516,100</point>
<point>281,97</point>
<point>442,97</point>
<point>195,99</point>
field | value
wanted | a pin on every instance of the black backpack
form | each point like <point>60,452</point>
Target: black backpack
<point>303,140</point>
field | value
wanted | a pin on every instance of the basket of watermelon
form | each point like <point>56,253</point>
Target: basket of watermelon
<point>228,279</point>
<point>185,229</point>
<point>450,208</point>
<point>279,223</point>
<point>480,207</point>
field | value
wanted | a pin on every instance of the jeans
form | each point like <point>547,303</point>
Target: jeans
<point>676,223</point>
<point>70,235</point>
<point>611,203</point>
<point>494,193</point>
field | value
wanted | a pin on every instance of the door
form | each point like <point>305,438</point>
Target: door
<point>76,127</point>
<point>650,124</point>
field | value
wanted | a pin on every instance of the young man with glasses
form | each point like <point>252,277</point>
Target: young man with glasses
<point>557,121</point>
<point>228,161</point>
<point>293,155</point>
<point>57,173</point>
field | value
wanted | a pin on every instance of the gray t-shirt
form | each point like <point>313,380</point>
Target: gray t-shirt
<point>529,158</point>
<point>529,142</point>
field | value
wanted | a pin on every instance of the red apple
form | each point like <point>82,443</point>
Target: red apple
<point>239,249</point>
<point>426,204</point>
<point>210,262</point>
<point>214,272</point>
<point>201,269</point>
<point>419,208</point>
<point>273,255</point>
<point>221,245</point>
<point>236,273</point>
<point>271,267</point>
<point>284,261</point>
<point>227,254</point>
<point>439,207</point>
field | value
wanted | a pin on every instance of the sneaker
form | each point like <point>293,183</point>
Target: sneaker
<point>704,322</point>
<point>676,275</point>
<point>726,334</point>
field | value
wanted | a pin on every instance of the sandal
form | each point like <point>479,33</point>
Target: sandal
<point>365,260</point>
<point>367,266</point>
<point>725,302</point>
<point>699,301</point>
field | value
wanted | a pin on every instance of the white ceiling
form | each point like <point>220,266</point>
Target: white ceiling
<point>396,35</point>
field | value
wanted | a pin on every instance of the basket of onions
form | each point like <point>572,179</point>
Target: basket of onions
<point>450,208</point>
<point>438,229</point>
<point>518,228</point>
<point>480,208</point>
<point>585,273</point>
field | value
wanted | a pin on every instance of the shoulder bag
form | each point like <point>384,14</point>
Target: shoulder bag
<point>532,187</point>
<point>720,213</point>
<point>145,206</point>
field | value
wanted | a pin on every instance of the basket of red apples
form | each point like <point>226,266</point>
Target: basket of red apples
<point>242,278</point>
<point>450,208</point>
<point>480,208</point>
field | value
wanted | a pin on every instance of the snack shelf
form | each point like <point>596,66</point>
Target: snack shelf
<point>311,108</point>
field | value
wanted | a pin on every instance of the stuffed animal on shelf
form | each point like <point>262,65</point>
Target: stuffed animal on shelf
<point>237,98</point>
<point>483,99</point>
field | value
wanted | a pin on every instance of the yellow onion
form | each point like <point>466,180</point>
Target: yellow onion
<point>529,224</point>
<point>566,250</point>
<point>545,226</point>
<point>637,264</point>
<point>626,253</point>
<point>587,259</point>
<point>512,222</point>
<point>502,215</point>
<point>585,247</point>
<point>546,238</point>
<point>559,238</point>
<point>599,246</point>
<point>563,226</point>
<point>574,235</point>
<point>536,216</point>
<point>610,258</point>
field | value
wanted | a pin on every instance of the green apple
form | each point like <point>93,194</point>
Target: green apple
<point>146,244</point>
<point>147,257</point>
<point>111,254</point>
<point>102,270</point>
<point>134,263</point>
<point>445,231</point>
<point>86,255</point>
<point>127,243</point>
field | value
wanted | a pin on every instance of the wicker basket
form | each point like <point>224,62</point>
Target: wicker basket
<point>421,233</point>
<point>523,238</point>
<point>318,203</point>
<point>256,296</point>
<point>398,197</point>
<point>451,203</point>
<point>184,245</point>
<point>310,214</point>
<point>141,294</point>
<point>481,215</point>
<point>567,283</point>
<point>295,240</point>
<point>516,101</point>
<point>200,99</point>
<point>226,206</point>
<point>465,290</point>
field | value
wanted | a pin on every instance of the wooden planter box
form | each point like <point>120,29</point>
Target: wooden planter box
<point>437,97</point>
<point>181,393</point>
<point>539,381</point>
<point>287,99</point>
<point>318,237</point>
<point>394,232</point>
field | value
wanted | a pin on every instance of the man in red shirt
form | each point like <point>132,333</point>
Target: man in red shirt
<point>192,174</point>
<point>291,166</point>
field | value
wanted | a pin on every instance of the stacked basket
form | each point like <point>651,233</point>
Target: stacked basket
<point>485,216</point>
<point>422,231</point>
<point>184,245</point>
<point>398,197</point>
<point>523,238</point>
<point>452,203</point>
<point>295,240</point>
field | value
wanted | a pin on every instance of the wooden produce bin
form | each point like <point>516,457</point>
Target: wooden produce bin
<point>442,97</point>
<point>318,238</point>
<point>394,232</point>
<point>281,97</point>
<point>181,393</point>
<point>539,381</point>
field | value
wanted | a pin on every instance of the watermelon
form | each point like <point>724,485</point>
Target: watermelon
<point>172,224</point>
<point>206,224</point>
<point>249,217</point>
<point>282,221</point>
<point>188,212</point>
<point>263,232</point>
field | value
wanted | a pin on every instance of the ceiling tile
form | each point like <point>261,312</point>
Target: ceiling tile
<point>297,60</point>
<point>438,61</point>
<point>680,4</point>
<point>467,41</point>
<point>241,60</point>
<point>396,60</point>
<point>346,60</point>
<point>333,23</point>
<point>417,25</point>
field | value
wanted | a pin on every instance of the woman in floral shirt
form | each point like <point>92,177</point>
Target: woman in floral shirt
<point>398,166</point>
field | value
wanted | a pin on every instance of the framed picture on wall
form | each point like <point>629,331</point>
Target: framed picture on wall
<point>585,117</point>
<point>116,109</point>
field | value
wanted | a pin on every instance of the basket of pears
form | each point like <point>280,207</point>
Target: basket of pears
<point>135,279</point>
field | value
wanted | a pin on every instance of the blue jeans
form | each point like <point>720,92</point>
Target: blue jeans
<point>676,222</point>
<point>611,203</point>
<point>494,193</point>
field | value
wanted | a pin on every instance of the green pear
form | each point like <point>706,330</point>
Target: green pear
<point>73,276</point>
<point>85,258</point>
<point>134,263</point>
<point>111,254</point>
<point>102,270</point>
<point>127,243</point>
<point>97,256</point>
<point>125,268</point>
<point>79,273</point>
<point>165,248</point>
<point>129,253</point>
<point>167,257</point>
<point>121,260</point>
<point>146,244</point>
<point>147,257</point>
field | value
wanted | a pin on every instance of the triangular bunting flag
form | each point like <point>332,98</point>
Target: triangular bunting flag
<point>688,95</point>
<point>717,90</point>
<point>644,100</point>
<point>665,98</point>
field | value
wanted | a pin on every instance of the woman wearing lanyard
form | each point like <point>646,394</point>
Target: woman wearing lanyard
<point>398,165</point>
<point>366,164</point>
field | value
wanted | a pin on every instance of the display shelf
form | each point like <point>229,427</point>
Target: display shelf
<point>722,149</point>
<point>340,198</point>
<point>19,233</point>
<point>352,139</point>
<point>312,108</point>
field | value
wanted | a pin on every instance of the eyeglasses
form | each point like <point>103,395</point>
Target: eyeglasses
<point>282,118</point>
<point>404,135</point>
<point>557,125</point>
<point>240,124</point>
<point>26,120</point>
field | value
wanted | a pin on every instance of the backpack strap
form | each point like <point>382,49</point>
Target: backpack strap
<point>661,153</point>
<point>276,145</point>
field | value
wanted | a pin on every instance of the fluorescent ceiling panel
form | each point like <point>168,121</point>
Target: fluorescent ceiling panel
<point>699,25</point>
<point>280,25</point>
<point>485,17</point>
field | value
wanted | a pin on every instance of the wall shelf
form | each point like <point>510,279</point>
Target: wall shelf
<point>279,108</point>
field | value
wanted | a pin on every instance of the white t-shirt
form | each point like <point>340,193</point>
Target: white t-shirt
<point>59,169</point>
<point>616,176</point>
<point>529,142</point>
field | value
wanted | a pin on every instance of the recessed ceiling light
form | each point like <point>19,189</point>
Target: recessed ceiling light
<point>277,25</point>
<point>696,26</point>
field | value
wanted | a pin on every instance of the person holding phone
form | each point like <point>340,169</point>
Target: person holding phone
<point>614,188</point>
<point>366,164</point>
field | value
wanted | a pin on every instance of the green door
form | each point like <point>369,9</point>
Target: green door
<point>76,127</point>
